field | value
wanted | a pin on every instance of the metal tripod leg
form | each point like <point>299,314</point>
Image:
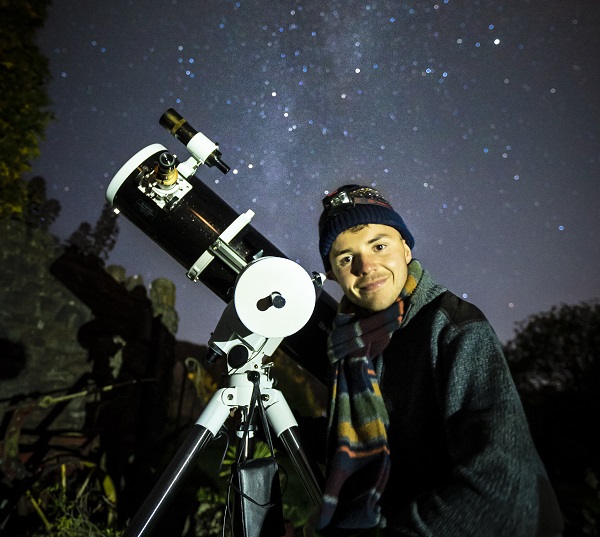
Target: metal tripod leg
<point>206,428</point>
<point>286,428</point>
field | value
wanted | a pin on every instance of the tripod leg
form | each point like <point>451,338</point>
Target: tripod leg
<point>205,428</point>
<point>290,440</point>
<point>286,427</point>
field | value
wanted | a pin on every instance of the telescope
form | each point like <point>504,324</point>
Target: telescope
<point>271,301</point>
<point>162,196</point>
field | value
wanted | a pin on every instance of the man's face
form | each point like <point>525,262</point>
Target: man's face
<point>370,264</point>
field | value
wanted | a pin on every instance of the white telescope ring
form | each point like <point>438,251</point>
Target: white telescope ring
<point>280,277</point>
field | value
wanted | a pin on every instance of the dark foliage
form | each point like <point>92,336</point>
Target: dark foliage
<point>100,240</point>
<point>40,212</point>
<point>555,361</point>
<point>24,100</point>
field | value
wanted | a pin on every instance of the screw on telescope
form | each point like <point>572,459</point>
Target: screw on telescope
<point>274,299</point>
<point>277,300</point>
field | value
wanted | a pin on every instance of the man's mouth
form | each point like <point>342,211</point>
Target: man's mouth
<point>372,285</point>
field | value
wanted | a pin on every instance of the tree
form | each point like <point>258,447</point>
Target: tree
<point>100,240</point>
<point>24,101</point>
<point>39,211</point>
<point>555,361</point>
<point>557,350</point>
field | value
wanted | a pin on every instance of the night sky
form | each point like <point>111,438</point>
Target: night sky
<point>478,120</point>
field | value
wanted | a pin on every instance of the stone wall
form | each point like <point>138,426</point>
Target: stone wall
<point>39,318</point>
<point>44,316</point>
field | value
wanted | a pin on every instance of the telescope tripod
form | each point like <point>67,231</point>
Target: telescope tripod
<point>237,395</point>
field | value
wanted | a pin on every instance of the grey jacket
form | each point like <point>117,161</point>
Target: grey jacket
<point>463,460</point>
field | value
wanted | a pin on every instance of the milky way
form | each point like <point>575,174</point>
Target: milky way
<point>478,120</point>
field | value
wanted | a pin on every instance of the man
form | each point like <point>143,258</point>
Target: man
<point>427,434</point>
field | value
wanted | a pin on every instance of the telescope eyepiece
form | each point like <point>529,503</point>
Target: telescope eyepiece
<point>167,172</point>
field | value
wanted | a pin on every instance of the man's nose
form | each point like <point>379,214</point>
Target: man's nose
<point>363,264</point>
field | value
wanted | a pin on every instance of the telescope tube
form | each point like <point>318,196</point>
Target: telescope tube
<point>189,223</point>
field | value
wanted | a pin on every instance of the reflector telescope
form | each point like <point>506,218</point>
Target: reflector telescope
<point>162,196</point>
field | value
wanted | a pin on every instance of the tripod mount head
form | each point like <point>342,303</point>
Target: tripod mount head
<point>273,298</point>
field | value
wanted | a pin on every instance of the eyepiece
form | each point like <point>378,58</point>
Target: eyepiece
<point>167,172</point>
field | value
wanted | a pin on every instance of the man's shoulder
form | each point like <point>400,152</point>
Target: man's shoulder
<point>458,310</point>
<point>435,302</point>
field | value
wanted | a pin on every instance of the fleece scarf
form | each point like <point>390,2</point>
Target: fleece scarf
<point>358,470</point>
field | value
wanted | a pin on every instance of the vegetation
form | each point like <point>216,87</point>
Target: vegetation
<point>100,240</point>
<point>555,361</point>
<point>24,102</point>
<point>73,516</point>
<point>25,112</point>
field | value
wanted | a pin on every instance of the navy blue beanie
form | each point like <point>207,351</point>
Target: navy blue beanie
<point>364,205</point>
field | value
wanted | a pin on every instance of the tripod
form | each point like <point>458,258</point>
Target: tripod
<point>273,309</point>
<point>237,394</point>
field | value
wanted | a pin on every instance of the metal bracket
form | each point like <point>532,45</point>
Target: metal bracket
<point>220,248</point>
<point>166,198</point>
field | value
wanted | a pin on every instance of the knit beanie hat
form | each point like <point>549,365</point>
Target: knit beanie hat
<point>352,205</point>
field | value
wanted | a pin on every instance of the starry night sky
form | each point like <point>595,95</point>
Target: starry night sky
<point>478,120</point>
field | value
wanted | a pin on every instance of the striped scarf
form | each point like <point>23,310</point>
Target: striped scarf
<point>359,468</point>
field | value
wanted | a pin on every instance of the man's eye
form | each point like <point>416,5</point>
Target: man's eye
<point>346,260</point>
<point>380,246</point>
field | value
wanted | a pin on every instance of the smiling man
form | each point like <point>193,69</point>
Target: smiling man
<point>426,435</point>
<point>370,263</point>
